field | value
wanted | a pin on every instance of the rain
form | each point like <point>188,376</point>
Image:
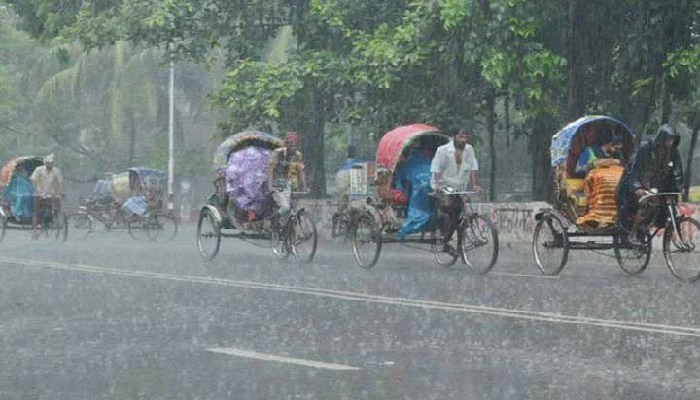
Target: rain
<point>349,199</point>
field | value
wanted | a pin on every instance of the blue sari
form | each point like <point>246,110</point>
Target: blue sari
<point>20,193</point>
<point>413,177</point>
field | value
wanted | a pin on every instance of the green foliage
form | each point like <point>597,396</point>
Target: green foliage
<point>326,63</point>
<point>683,62</point>
<point>256,90</point>
<point>454,12</point>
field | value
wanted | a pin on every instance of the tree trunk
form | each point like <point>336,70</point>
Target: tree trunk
<point>491,126</point>
<point>540,141</point>
<point>689,162</point>
<point>507,107</point>
<point>310,123</point>
<point>574,102</point>
<point>666,100</point>
<point>317,146</point>
<point>311,109</point>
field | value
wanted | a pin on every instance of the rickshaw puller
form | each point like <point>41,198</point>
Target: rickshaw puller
<point>656,165</point>
<point>286,173</point>
<point>452,165</point>
<point>48,183</point>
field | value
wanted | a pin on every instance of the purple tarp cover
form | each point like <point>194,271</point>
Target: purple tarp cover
<point>246,177</point>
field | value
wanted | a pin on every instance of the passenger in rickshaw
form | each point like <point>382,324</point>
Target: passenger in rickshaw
<point>20,194</point>
<point>605,155</point>
<point>103,194</point>
<point>48,184</point>
<point>153,193</point>
<point>656,165</point>
<point>412,177</point>
<point>137,203</point>
<point>285,174</point>
<point>602,168</point>
<point>454,164</point>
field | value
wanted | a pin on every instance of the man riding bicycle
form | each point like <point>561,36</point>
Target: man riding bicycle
<point>656,165</point>
<point>48,184</point>
<point>454,163</point>
<point>285,173</point>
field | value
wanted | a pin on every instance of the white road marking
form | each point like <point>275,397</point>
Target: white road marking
<point>232,351</point>
<point>370,298</point>
<point>524,275</point>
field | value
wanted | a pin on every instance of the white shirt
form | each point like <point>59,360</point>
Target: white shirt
<point>47,183</point>
<point>452,175</point>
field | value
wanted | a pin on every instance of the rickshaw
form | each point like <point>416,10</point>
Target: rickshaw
<point>241,207</point>
<point>142,191</point>
<point>385,216</point>
<point>17,203</point>
<point>565,226</point>
<point>351,181</point>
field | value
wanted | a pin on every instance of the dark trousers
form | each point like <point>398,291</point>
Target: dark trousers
<point>449,210</point>
<point>41,203</point>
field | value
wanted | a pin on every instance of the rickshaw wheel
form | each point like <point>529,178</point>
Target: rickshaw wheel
<point>3,228</point>
<point>138,228</point>
<point>82,224</point>
<point>162,227</point>
<point>550,245</point>
<point>632,259</point>
<point>208,235</point>
<point>304,238</point>
<point>683,254</point>
<point>366,241</point>
<point>442,257</point>
<point>479,244</point>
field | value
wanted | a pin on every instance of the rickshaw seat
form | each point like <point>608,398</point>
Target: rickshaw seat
<point>573,185</point>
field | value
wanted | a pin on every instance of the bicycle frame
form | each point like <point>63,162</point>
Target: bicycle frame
<point>670,202</point>
<point>467,214</point>
<point>108,223</point>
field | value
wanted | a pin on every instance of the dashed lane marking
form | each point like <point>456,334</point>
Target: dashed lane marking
<point>232,351</point>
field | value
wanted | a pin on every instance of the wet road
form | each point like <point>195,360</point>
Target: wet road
<point>111,318</point>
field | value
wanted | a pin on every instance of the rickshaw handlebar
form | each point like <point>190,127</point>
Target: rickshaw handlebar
<point>453,193</point>
<point>652,194</point>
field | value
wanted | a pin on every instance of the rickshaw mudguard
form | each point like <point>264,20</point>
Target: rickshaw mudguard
<point>368,209</point>
<point>542,212</point>
<point>214,211</point>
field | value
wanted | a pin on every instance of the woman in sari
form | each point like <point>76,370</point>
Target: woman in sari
<point>20,193</point>
<point>602,167</point>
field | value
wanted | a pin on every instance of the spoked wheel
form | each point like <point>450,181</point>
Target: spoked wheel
<point>682,250</point>
<point>550,245</point>
<point>445,252</point>
<point>303,238</point>
<point>3,227</point>
<point>479,244</point>
<point>138,228</point>
<point>633,256</point>
<point>208,235</point>
<point>82,224</point>
<point>162,227</point>
<point>367,241</point>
